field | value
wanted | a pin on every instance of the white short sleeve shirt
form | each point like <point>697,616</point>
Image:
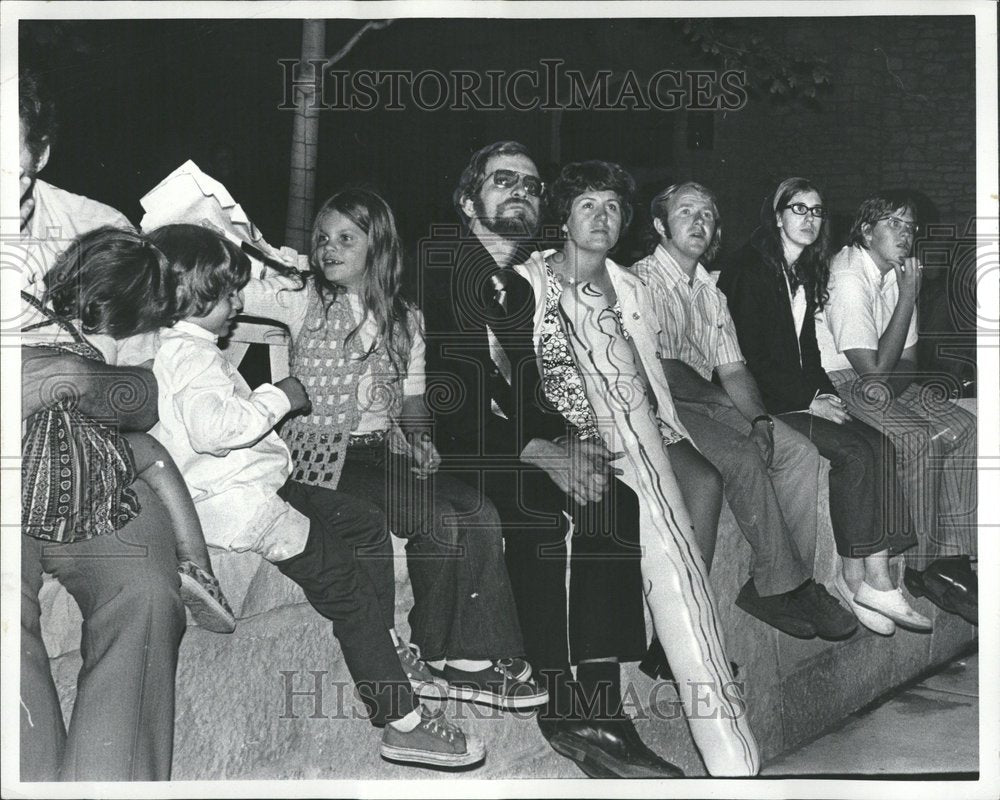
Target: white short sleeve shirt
<point>861,304</point>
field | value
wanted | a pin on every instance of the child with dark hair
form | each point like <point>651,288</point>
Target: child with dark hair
<point>77,471</point>
<point>237,469</point>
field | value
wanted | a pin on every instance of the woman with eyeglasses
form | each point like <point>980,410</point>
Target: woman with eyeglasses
<point>595,336</point>
<point>774,287</point>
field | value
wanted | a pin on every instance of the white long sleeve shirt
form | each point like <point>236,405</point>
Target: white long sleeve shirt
<point>221,435</point>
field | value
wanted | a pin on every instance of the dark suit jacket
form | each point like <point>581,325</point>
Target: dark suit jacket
<point>456,296</point>
<point>758,301</point>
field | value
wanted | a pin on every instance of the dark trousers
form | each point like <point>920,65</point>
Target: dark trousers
<point>867,510</point>
<point>604,615</point>
<point>462,601</point>
<point>347,543</point>
<point>126,585</point>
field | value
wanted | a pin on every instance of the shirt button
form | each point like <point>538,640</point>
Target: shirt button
<point>635,315</point>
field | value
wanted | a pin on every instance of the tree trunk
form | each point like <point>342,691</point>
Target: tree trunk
<point>305,136</point>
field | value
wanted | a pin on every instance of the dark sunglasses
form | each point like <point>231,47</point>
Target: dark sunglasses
<point>509,179</point>
<point>801,209</point>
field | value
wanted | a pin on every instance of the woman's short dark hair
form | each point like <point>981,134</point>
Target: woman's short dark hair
<point>813,264</point>
<point>203,267</point>
<point>37,112</point>
<point>876,207</point>
<point>596,176</point>
<point>113,281</point>
<point>473,176</point>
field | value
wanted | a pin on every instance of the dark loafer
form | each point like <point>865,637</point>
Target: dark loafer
<point>606,748</point>
<point>949,585</point>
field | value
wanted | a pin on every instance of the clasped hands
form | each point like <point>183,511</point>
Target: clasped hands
<point>581,469</point>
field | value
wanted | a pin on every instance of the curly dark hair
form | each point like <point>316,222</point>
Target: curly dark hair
<point>813,265</point>
<point>203,267</point>
<point>113,281</point>
<point>37,111</point>
<point>581,176</point>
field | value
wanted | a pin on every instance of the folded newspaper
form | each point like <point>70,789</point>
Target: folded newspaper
<point>189,195</point>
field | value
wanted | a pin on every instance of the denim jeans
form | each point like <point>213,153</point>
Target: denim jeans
<point>346,543</point>
<point>462,601</point>
<point>774,506</point>
<point>866,508</point>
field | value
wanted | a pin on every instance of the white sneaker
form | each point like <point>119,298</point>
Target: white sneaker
<point>872,620</point>
<point>893,605</point>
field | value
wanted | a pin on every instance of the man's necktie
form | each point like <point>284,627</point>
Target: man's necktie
<point>497,354</point>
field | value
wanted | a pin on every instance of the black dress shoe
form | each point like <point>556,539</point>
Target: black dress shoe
<point>958,572</point>
<point>950,584</point>
<point>606,748</point>
<point>655,664</point>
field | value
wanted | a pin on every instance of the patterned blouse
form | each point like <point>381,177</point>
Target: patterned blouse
<point>76,472</point>
<point>561,381</point>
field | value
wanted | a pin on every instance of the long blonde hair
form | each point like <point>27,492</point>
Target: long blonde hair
<point>381,292</point>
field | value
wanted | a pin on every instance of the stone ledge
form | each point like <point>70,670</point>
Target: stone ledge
<point>233,722</point>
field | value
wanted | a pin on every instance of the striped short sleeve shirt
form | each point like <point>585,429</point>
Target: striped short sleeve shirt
<point>695,324</point>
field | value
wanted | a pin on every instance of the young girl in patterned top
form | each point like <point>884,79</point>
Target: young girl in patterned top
<point>76,471</point>
<point>358,348</point>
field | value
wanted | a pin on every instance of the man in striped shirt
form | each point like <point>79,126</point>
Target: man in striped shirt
<point>771,472</point>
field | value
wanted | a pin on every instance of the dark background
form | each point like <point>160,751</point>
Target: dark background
<point>138,97</point>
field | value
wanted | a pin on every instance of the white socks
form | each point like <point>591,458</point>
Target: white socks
<point>409,722</point>
<point>468,665</point>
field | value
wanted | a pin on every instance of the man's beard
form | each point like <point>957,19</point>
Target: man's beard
<point>509,227</point>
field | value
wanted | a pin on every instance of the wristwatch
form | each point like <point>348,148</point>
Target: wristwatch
<point>763,418</point>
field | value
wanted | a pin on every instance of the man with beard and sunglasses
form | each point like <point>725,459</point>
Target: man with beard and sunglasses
<point>495,430</point>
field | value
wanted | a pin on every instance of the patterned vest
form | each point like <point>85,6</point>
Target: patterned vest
<point>561,381</point>
<point>331,370</point>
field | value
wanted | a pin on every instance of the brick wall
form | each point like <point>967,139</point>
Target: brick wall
<point>900,111</point>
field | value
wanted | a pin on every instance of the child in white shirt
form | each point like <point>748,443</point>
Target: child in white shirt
<point>77,471</point>
<point>221,435</point>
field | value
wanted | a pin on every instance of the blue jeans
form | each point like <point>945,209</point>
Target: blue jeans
<point>866,507</point>
<point>462,601</point>
<point>775,507</point>
<point>346,546</point>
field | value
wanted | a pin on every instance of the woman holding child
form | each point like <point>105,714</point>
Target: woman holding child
<point>100,512</point>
